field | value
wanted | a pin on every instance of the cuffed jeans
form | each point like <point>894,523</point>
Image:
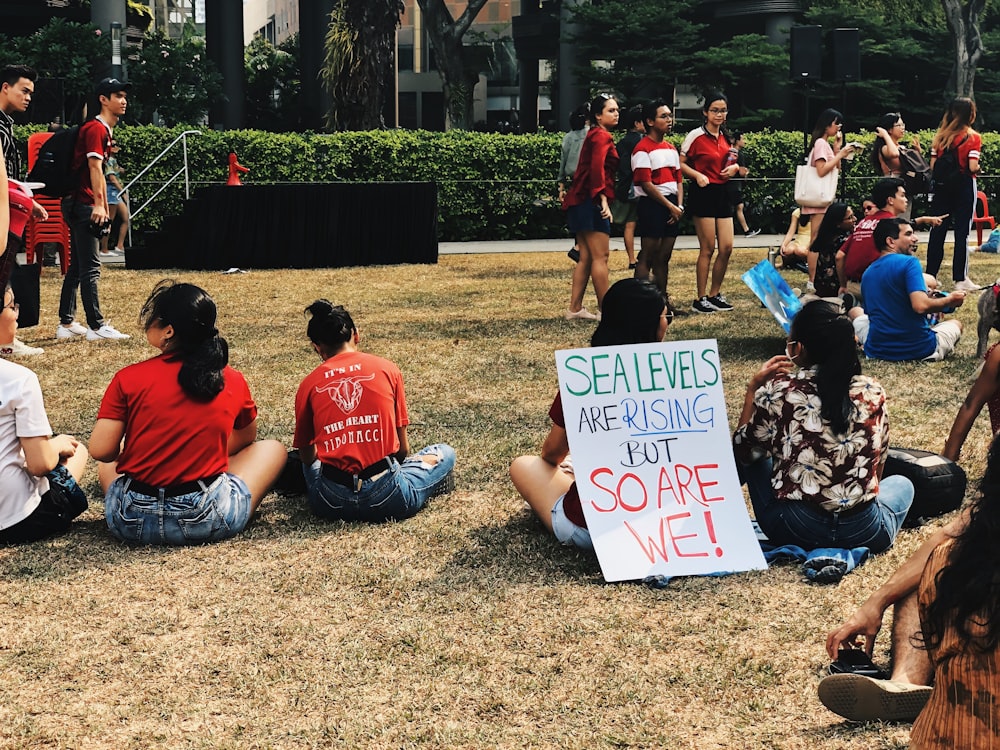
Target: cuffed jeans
<point>397,493</point>
<point>84,266</point>
<point>809,526</point>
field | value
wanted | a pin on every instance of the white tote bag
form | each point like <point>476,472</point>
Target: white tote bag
<point>813,191</point>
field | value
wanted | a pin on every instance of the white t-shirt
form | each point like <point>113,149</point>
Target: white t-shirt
<point>22,414</point>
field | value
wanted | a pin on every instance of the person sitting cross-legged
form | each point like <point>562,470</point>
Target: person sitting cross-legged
<point>895,326</point>
<point>350,431</point>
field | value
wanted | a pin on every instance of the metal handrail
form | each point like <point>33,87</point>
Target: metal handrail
<point>182,138</point>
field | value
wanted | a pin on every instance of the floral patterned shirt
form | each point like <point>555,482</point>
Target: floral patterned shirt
<point>810,462</point>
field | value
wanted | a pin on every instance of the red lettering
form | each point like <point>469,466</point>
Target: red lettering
<point>664,477</point>
<point>682,485</point>
<point>621,501</point>
<point>674,538</point>
<point>593,478</point>
<point>653,550</point>
<point>703,484</point>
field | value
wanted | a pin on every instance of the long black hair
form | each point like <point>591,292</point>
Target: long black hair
<point>630,314</point>
<point>828,337</point>
<point>888,122</point>
<point>196,340</point>
<point>330,325</point>
<point>826,118</point>
<point>967,588</point>
<point>829,229</point>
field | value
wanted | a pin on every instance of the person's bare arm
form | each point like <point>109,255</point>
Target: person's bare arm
<point>42,454</point>
<point>106,440</point>
<point>99,187</point>
<point>922,303</point>
<point>556,445</point>
<point>982,391</point>
<point>867,620</point>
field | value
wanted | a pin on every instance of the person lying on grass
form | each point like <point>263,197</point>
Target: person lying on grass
<point>175,434</point>
<point>634,312</point>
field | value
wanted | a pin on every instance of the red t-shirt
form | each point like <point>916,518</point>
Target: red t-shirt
<point>707,154</point>
<point>349,408</point>
<point>169,437</point>
<point>596,171</point>
<point>572,506</point>
<point>94,140</point>
<point>860,246</point>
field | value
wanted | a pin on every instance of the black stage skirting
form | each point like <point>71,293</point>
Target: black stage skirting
<point>309,225</point>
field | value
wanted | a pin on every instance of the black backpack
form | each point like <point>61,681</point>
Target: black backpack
<point>938,482</point>
<point>915,171</point>
<point>54,164</point>
<point>947,170</point>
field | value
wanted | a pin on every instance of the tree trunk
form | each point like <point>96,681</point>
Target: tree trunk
<point>963,23</point>
<point>457,78</point>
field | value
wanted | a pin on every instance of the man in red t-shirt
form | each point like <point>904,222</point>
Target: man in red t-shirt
<point>85,211</point>
<point>859,251</point>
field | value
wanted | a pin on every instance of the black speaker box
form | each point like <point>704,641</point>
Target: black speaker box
<point>846,55</point>
<point>806,57</point>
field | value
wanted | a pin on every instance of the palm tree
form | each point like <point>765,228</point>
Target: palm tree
<point>360,43</point>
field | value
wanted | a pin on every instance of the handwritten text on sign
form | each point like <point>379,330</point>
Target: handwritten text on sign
<point>653,460</point>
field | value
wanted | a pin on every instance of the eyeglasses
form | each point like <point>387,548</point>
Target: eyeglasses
<point>788,347</point>
<point>716,111</point>
<point>13,306</point>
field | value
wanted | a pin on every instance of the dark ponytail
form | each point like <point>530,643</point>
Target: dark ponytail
<point>196,340</point>
<point>828,337</point>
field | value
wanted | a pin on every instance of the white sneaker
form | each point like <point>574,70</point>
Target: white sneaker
<point>582,314</point>
<point>966,285</point>
<point>18,348</point>
<point>119,251</point>
<point>107,256</point>
<point>106,332</point>
<point>72,331</point>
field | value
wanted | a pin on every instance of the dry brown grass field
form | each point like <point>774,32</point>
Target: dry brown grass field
<point>466,626</point>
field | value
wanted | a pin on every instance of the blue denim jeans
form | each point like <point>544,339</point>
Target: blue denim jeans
<point>84,266</point>
<point>809,526</point>
<point>396,494</point>
<point>217,511</point>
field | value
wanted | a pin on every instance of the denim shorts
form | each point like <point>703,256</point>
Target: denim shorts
<point>586,217</point>
<point>218,511</point>
<point>113,194</point>
<point>397,493</point>
<point>566,531</point>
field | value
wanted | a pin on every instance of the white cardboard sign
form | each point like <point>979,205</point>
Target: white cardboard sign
<point>653,459</point>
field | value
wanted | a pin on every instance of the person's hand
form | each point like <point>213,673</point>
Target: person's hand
<point>956,299</point>
<point>776,364</point>
<point>99,215</point>
<point>605,209</point>
<point>935,221</point>
<point>38,211</point>
<point>915,144</point>
<point>865,623</point>
<point>730,171</point>
<point>883,134</point>
<point>65,445</point>
<point>701,179</point>
<point>838,139</point>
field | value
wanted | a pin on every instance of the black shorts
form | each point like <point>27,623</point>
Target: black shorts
<point>712,201</point>
<point>586,217</point>
<point>58,507</point>
<point>655,219</point>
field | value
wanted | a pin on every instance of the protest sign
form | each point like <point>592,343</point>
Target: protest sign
<point>773,291</point>
<point>653,460</point>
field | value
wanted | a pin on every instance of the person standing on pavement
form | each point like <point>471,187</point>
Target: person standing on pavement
<point>17,85</point>
<point>85,211</point>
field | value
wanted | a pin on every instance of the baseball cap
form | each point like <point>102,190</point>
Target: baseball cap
<point>108,86</point>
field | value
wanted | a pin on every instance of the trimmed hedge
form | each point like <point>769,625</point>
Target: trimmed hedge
<point>490,186</point>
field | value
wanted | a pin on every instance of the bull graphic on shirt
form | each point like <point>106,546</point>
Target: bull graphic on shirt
<point>346,392</point>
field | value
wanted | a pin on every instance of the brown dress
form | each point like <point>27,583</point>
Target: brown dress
<point>963,712</point>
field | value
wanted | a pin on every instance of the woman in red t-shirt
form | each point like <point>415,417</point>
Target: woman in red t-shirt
<point>588,208</point>
<point>176,434</point>
<point>634,313</point>
<point>955,195</point>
